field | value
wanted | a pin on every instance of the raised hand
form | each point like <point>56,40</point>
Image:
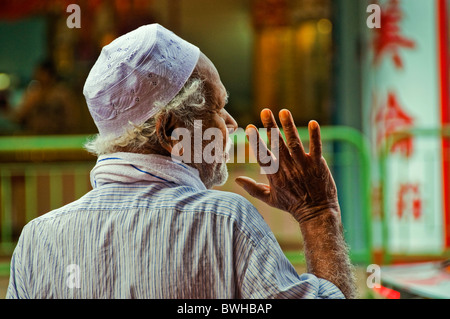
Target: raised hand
<point>303,184</point>
<point>304,187</point>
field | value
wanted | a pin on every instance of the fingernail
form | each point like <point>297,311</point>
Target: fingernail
<point>313,124</point>
<point>250,129</point>
<point>284,115</point>
<point>265,114</point>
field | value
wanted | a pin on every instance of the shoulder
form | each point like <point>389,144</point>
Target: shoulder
<point>219,202</point>
<point>224,201</point>
<point>233,207</point>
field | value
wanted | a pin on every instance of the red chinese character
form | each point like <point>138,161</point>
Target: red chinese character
<point>409,194</point>
<point>388,38</point>
<point>391,118</point>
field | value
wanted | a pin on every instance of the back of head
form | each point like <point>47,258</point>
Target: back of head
<point>135,76</point>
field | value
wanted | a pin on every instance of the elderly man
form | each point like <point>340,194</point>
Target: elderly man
<point>152,227</point>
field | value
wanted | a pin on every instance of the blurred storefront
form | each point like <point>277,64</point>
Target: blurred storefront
<point>405,108</point>
<point>293,58</point>
<point>270,53</point>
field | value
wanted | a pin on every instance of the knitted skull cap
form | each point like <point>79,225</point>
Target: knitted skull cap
<point>136,75</point>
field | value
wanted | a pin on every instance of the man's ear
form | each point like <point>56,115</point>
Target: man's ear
<point>165,124</point>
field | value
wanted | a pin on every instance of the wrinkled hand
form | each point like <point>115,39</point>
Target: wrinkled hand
<point>303,184</point>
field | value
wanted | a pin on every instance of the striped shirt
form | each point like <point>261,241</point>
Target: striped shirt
<point>156,240</point>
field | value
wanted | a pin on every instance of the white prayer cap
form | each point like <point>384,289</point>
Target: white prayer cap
<point>137,74</point>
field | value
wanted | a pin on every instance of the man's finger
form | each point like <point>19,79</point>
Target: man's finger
<point>262,153</point>
<point>315,142</point>
<point>275,138</point>
<point>257,190</point>
<point>292,138</point>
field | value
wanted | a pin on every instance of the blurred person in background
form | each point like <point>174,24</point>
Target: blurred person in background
<point>48,105</point>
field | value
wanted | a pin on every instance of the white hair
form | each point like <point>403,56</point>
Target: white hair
<point>189,104</point>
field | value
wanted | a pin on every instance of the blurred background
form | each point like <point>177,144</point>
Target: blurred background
<point>380,95</point>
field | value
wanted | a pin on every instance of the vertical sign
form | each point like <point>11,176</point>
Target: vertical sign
<point>404,87</point>
<point>444,62</point>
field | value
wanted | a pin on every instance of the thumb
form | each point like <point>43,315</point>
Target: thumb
<point>257,190</point>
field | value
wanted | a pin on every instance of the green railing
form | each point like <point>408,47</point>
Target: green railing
<point>63,162</point>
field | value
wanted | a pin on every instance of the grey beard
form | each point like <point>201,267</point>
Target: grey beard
<point>214,174</point>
